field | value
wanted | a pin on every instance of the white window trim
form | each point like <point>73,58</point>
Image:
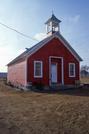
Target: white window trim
<point>69,69</point>
<point>35,76</point>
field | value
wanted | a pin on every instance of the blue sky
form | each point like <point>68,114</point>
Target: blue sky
<point>29,16</point>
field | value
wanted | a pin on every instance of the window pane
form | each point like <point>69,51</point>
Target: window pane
<point>37,69</point>
<point>71,69</point>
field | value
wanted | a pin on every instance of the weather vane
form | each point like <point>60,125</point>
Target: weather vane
<point>52,12</point>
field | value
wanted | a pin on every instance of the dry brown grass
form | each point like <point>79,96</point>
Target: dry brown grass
<point>85,80</point>
<point>65,112</point>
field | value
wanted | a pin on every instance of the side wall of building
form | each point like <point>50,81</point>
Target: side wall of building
<point>17,74</point>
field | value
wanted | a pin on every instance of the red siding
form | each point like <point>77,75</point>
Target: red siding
<point>17,73</point>
<point>53,48</point>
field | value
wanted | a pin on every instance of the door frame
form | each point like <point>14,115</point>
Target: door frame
<point>62,68</point>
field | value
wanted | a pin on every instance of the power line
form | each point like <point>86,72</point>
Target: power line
<point>25,35</point>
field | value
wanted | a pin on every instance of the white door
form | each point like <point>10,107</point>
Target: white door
<point>54,73</point>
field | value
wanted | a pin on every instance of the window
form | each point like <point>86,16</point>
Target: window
<point>38,69</point>
<point>71,69</point>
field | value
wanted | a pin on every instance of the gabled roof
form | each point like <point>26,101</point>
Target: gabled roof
<point>53,18</point>
<point>36,47</point>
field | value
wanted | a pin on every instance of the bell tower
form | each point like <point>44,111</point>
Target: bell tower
<point>52,25</point>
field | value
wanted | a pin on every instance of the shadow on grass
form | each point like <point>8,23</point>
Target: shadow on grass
<point>74,92</point>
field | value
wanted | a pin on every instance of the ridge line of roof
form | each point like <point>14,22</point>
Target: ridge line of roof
<point>41,43</point>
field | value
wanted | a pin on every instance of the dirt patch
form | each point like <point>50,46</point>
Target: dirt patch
<point>64,112</point>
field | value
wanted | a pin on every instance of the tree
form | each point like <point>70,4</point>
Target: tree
<point>84,67</point>
<point>84,70</point>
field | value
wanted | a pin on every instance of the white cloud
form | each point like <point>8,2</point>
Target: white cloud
<point>74,19</point>
<point>20,51</point>
<point>40,36</point>
<point>7,54</point>
<point>4,57</point>
<point>70,26</point>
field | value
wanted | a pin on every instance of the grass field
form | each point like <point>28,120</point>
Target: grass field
<point>64,112</point>
<point>85,80</point>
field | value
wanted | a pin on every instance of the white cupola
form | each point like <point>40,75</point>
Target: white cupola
<point>52,25</point>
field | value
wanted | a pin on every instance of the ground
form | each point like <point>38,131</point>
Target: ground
<point>85,80</point>
<point>64,112</point>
